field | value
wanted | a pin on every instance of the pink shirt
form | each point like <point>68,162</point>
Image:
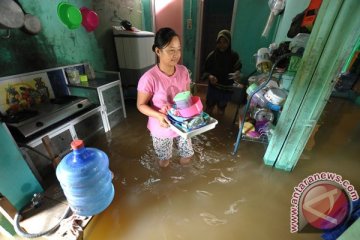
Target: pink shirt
<point>163,90</point>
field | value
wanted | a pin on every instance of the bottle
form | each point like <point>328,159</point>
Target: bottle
<point>73,75</point>
<point>263,63</point>
<point>85,178</point>
<point>89,71</point>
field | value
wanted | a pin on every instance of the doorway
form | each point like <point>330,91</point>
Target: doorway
<point>169,13</point>
<point>216,15</point>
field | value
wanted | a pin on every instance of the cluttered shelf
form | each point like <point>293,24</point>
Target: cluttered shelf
<point>266,96</point>
<point>262,139</point>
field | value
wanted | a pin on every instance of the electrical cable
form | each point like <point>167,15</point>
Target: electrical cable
<point>61,155</point>
<point>22,233</point>
<point>34,150</point>
<point>18,215</point>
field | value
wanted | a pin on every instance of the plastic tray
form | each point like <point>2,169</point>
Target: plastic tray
<point>212,123</point>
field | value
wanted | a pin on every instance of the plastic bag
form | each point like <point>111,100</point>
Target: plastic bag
<point>276,6</point>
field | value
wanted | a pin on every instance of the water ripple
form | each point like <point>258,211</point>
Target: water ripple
<point>212,220</point>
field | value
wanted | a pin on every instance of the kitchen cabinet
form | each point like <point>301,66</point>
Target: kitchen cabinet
<point>83,127</point>
<point>107,92</point>
<point>24,156</point>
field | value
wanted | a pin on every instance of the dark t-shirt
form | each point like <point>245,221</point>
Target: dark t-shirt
<point>220,64</point>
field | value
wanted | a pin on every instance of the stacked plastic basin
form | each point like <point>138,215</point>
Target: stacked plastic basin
<point>183,100</point>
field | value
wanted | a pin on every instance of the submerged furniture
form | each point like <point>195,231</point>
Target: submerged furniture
<point>134,55</point>
<point>106,109</point>
<point>105,90</point>
<point>263,138</point>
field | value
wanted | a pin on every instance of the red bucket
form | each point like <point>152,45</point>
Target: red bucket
<point>90,19</point>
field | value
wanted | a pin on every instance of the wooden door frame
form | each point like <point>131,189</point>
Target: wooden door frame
<point>334,35</point>
<point>198,44</point>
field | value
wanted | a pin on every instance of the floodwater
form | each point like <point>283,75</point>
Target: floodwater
<point>220,195</point>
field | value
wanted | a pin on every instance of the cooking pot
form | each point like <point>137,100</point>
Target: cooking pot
<point>11,14</point>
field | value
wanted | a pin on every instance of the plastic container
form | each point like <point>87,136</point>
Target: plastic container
<point>73,75</point>
<point>183,100</point>
<point>248,126</point>
<point>286,80</point>
<point>258,99</point>
<point>252,88</point>
<point>210,125</point>
<point>69,15</point>
<point>85,178</point>
<point>273,107</point>
<point>262,114</point>
<point>195,109</point>
<point>275,96</point>
<point>263,63</point>
<point>90,19</point>
<point>83,78</point>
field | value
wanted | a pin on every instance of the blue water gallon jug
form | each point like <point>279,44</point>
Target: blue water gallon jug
<point>85,178</point>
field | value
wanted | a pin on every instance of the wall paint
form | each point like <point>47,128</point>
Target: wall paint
<point>147,15</point>
<point>111,12</point>
<point>169,13</point>
<point>292,8</point>
<point>217,15</point>
<point>54,46</point>
<point>15,170</point>
<point>251,17</point>
<point>189,35</point>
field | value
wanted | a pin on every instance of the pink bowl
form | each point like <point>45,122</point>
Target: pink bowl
<point>195,109</point>
<point>90,19</point>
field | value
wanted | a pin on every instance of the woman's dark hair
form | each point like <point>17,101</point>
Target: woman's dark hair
<point>163,37</point>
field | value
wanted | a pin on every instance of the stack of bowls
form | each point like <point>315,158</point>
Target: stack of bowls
<point>194,109</point>
<point>183,100</point>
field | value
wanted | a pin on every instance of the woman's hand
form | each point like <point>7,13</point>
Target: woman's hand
<point>142,104</point>
<point>165,108</point>
<point>163,120</point>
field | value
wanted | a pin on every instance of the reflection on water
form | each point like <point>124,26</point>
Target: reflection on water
<point>204,193</point>
<point>212,220</point>
<point>233,208</point>
<point>219,196</point>
<point>221,179</point>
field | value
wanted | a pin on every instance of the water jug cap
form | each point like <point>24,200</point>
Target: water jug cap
<point>77,144</point>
